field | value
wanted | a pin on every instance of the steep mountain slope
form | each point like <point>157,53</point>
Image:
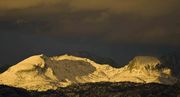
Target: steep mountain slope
<point>42,73</point>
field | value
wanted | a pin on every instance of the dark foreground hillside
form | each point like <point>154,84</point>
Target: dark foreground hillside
<point>99,90</point>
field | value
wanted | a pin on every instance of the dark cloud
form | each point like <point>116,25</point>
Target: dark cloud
<point>153,7</point>
<point>22,4</point>
<point>115,28</point>
<point>37,26</point>
<point>141,7</point>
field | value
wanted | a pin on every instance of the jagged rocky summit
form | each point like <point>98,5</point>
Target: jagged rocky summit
<point>42,73</point>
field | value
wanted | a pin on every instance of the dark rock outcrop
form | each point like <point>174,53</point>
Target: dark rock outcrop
<point>102,89</point>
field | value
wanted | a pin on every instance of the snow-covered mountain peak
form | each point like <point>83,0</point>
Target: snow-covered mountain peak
<point>29,63</point>
<point>149,66</point>
<point>144,61</point>
<point>41,73</point>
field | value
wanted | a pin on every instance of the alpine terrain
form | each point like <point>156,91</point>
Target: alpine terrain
<point>44,73</point>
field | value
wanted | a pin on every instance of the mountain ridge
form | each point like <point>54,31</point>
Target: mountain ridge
<point>42,73</point>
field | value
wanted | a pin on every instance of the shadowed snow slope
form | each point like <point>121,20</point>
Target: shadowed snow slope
<point>42,73</point>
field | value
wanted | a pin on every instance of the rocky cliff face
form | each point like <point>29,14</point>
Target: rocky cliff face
<point>42,73</point>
